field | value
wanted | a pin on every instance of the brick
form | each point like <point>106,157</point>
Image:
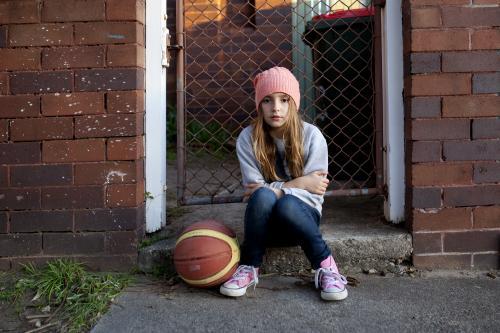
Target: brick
<point>4,220</point>
<point>106,173</point>
<point>439,40</point>
<point>441,174</point>
<point>73,57</point>
<point>486,39</point>
<point>449,261</point>
<point>20,153</point>
<point>5,264</point>
<point>109,125</point>
<point>40,35</point>
<point>19,59</point>
<point>3,36</point>
<point>125,148</point>
<point>74,151</point>
<point>471,106</point>
<point>35,129</point>
<point>20,244</point>
<point>4,176</point>
<point>41,175</point>
<point>121,242</point>
<point>107,219</point>
<point>33,221</point>
<point>124,195</point>
<point>487,217</point>
<point>435,129</point>
<point>471,150</point>
<point>125,10</point>
<point>29,82</point>
<point>486,128</point>
<point>109,33</point>
<point>109,263</point>
<point>471,241</point>
<point>19,199</point>
<point>4,84</point>
<point>73,10</point>
<point>427,243</point>
<point>470,16</point>
<point>131,55</point>
<point>471,61</point>
<point>426,107</point>
<point>426,17</point>
<point>72,104</point>
<point>73,243</point>
<point>478,195</point>
<point>486,83</point>
<point>443,219</point>
<point>486,261</point>
<point>485,2</point>
<point>19,106</point>
<point>425,62</point>
<point>441,84</point>
<point>72,197</point>
<point>125,101</point>
<point>19,11</point>
<point>4,130</point>
<point>487,172</point>
<point>109,79</point>
<point>426,197</point>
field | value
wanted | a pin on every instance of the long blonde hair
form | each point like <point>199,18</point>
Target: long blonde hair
<point>265,149</point>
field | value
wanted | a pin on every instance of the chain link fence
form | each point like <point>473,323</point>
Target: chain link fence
<point>328,45</point>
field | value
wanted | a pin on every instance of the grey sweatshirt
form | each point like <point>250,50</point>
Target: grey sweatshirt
<point>315,159</point>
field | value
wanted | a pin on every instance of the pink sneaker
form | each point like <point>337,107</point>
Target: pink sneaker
<point>332,283</point>
<point>244,277</point>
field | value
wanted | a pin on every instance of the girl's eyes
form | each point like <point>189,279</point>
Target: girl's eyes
<point>283,100</point>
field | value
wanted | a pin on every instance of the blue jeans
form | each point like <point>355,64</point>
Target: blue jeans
<point>287,221</point>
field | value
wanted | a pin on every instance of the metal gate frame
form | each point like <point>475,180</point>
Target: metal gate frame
<point>179,48</point>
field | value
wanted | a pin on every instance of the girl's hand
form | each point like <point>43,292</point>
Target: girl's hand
<point>315,182</point>
<point>250,188</point>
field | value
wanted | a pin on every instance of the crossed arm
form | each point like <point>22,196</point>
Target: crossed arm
<point>315,182</point>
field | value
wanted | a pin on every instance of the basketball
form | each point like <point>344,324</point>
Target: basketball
<point>206,254</point>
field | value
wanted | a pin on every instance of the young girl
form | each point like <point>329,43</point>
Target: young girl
<point>284,163</point>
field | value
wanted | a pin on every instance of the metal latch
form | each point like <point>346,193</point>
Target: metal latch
<point>166,56</point>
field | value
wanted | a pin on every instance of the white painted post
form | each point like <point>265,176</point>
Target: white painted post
<point>156,122</point>
<point>392,68</point>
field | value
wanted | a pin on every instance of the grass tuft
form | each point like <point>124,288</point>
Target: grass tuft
<point>78,297</point>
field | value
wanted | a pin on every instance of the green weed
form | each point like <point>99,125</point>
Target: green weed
<point>78,297</point>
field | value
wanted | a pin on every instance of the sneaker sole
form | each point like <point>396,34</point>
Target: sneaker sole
<point>334,296</point>
<point>233,292</point>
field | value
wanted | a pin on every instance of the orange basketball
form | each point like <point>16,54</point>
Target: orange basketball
<point>206,254</point>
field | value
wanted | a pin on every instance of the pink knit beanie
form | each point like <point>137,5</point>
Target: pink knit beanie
<point>273,80</point>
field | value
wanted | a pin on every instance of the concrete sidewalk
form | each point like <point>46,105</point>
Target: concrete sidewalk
<point>433,302</point>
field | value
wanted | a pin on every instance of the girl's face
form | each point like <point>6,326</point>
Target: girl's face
<point>275,109</point>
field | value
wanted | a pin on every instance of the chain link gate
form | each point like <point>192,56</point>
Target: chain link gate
<point>328,45</point>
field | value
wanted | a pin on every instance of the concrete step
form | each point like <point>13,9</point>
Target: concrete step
<point>353,228</point>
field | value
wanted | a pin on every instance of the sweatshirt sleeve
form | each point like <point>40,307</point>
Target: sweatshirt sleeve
<point>249,166</point>
<point>315,160</point>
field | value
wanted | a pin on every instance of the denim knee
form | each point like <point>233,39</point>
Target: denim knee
<point>292,210</point>
<point>263,199</point>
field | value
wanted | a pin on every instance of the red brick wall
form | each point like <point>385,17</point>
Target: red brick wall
<point>71,131</point>
<point>453,125</point>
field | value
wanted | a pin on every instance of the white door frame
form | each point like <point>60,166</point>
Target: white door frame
<point>156,112</point>
<point>393,110</point>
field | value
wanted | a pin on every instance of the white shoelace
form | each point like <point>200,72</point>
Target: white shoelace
<point>330,275</point>
<point>242,271</point>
